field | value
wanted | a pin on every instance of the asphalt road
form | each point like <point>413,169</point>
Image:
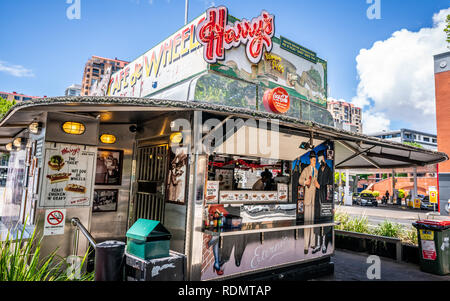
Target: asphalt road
<point>377,215</point>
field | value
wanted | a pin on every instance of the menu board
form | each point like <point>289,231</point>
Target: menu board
<point>241,197</point>
<point>225,178</point>
<point>68,176</point>
<point>212,192</point>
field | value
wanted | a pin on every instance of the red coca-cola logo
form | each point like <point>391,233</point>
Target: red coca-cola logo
<point>277,100</point>
<point>216,36</point>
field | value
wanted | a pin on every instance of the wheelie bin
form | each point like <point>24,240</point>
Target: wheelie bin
<point>434,246</point>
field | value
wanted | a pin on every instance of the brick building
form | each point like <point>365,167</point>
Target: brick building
<point>442,84</point>
<point>95,68</point>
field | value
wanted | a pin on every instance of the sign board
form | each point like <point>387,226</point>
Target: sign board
<point>54,222</point>
<point>417,203</point>
<point>283,190</point>
<point>242,197</point>
<point>68,176</point>
<point>173,60</point>
<point>298,50</point>
<point>433,195</point>
<point>277,100</point>
<point>212,192</point>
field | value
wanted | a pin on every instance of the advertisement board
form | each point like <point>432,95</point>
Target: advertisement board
<point>68,176</point>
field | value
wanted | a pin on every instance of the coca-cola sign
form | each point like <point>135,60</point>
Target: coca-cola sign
<point>217,36</point>
<point>277,100</point>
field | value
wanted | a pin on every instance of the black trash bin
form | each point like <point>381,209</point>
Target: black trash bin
<point>109,261</point>
<point>434,246</point>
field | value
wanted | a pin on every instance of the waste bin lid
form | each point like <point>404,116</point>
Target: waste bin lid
<point>434,223</point>
<point>143,229</point>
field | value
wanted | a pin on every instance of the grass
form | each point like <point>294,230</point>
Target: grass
<point>20,260</point>
<point>387,228</point>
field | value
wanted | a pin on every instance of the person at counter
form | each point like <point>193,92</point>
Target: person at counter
<point>308,179</point>
<point>264,183</point>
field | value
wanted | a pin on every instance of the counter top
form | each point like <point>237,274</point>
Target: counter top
<point>264,227</point>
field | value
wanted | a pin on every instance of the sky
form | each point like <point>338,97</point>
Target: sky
<point>382,64</point>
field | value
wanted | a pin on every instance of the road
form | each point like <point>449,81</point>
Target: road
<point>377,215</point>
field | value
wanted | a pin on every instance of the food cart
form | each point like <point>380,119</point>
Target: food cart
<point>220,133</point>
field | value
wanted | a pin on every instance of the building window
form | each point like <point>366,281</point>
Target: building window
<point>16,97</point>
<point>426,139</point>
<point>434,140</point>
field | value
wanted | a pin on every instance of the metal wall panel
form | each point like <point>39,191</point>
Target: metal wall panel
<point>54,132</point>
<point>113,225</point>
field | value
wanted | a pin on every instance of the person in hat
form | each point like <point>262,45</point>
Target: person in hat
<point>308,179</point>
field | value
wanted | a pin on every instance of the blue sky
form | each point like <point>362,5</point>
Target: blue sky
<point>50,50</point>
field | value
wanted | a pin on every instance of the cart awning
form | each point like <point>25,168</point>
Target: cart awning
<point>353,151</point>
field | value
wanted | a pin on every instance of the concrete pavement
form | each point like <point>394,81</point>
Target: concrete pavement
<point>352,266</point>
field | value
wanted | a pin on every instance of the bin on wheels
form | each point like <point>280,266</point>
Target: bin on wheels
<point>434,246</point>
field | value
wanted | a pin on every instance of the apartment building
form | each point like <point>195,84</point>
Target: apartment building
<point>73,90</point>
<point>427,140</point>
<point>346,116</point>
<point>95,68</point>
<point>16,96</point>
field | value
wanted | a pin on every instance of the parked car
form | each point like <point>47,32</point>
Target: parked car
<point>367,199</point>
<point>425,203</point>
<point>355,197</point>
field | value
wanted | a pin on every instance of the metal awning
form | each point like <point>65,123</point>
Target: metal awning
<point>353,151</point>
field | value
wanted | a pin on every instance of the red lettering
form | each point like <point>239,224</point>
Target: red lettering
<point>216,35</point>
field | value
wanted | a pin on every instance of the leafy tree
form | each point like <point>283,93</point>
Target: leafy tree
<point>413,144</point>
<point>5,105</point>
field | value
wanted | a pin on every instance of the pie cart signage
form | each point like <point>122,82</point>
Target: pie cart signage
<point>68,176</point>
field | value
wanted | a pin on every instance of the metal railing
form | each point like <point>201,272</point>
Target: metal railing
<point>79,227</point>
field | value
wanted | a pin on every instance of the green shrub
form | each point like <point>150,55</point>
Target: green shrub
<point>20,261</point>
<point>409,236</point>
<point>388,229</point>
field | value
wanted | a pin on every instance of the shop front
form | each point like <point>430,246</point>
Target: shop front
<point>228,145</point>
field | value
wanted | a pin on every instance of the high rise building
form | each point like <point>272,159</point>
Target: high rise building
<point>73,90</point>
<point>96,67</point>
<point>442,84</point>
<point>16,96</point>
<point>346,116</point>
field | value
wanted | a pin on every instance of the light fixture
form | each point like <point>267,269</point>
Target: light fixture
<point>304,145</point>
<point>176,137</point>
<point>108,139</point>
<point>35,127</point>
<point>9,147</point>
<point>73,128</point>
<point>17,142</point>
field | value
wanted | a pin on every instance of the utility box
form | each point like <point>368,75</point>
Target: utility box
<point>148,239</point>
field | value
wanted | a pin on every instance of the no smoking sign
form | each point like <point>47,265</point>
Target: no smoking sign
<point>54,222</point>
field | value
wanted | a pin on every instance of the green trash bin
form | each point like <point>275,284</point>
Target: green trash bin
<point>148,239</point>
<point>434,246</point>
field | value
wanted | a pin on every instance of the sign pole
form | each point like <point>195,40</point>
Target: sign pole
<point>186,12</point>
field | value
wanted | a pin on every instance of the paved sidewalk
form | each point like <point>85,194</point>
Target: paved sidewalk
<point>352,266</point>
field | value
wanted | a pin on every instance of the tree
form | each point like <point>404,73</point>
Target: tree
<point>447,29</point>
<point>5,105</point>
<point>413,144</point>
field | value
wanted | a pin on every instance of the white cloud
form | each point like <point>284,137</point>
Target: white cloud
<point>15,70</point>
<point>397,75</point>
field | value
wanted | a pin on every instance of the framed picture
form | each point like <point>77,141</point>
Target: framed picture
<point>105,200</point>
<point>109,167</point>
<point>176,180</point>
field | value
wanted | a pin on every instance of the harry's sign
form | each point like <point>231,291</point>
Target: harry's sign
<point>217,36</point>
